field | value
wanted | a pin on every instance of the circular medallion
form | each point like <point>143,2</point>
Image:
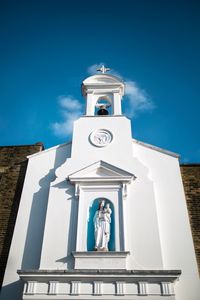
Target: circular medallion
<point>101,137</point>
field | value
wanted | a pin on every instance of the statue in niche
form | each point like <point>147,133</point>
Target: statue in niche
<point>102,221</point>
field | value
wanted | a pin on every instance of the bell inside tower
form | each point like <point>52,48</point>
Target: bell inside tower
<point>103,107</point>
<point>102,111</point>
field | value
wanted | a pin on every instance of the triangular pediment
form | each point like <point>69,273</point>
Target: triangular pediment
<point>101,171</point>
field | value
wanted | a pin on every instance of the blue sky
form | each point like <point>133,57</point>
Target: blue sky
<point>48,47</point>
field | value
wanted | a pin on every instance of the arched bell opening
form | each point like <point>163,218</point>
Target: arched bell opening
<point>103,106</point>
<point>91,236</point>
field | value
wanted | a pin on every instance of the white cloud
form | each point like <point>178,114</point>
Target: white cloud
<point>70,103</point>
<point>71,110</point>
<point>137,99</point>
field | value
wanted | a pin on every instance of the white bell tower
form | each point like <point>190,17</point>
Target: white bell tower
<point>103,87</point>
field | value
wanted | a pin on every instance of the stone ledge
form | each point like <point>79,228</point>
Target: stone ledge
<point>100,259</point>
<point>169,275</point>
<point>83,271</point>
<point>101,253</point>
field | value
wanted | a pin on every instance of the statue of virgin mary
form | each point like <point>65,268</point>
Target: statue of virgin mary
<point>102,220</point>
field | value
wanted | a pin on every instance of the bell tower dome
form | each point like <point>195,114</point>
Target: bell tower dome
<point>103,91</point>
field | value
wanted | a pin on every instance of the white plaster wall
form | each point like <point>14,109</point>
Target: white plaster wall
<point>141,232</point>
<point>28,234</point>
<point>174,228</point>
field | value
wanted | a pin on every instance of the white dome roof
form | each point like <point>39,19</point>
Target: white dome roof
<point>102,81</point>
<point>102,78</point>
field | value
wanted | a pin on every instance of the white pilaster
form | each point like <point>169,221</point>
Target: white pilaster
<point>117,109</point>
<point>97,288</point>
<point>90,105</point>
<point>120,288</point>
<point>75,288</point>
<point>30,287</point>
<point>167,288</point>
<point>53,287</point>
<point>142,288</point>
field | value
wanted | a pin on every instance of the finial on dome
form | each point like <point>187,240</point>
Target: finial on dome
<point>103,69</point>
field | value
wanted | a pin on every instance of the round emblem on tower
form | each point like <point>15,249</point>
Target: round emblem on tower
<point>101,137</point>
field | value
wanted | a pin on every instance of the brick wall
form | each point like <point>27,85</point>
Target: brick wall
<point>13,163</point>
<point>191,181</point>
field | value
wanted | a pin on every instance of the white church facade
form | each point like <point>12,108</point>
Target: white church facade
<point>102,217</point>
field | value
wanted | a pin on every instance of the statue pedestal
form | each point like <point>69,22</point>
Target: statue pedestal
<point>100,260</point>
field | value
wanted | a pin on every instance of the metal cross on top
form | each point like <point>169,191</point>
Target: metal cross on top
<point>103,69</point>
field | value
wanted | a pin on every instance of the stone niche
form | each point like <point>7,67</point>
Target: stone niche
<point>100,181</point>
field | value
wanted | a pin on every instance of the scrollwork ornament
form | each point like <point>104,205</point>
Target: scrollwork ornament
<point>101,137</point>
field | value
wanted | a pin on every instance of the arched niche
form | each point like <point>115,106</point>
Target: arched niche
<point>90,225</point>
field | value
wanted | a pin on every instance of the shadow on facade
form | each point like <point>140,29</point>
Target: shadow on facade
<point>15,288</point>
<point>35,232</point>
<point>72,229</point>
<point>68,260</point>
